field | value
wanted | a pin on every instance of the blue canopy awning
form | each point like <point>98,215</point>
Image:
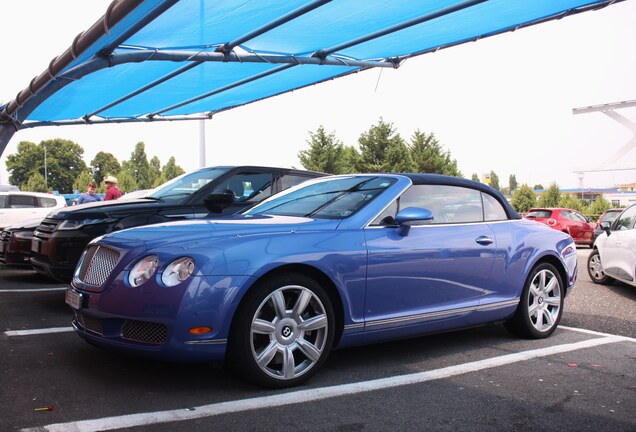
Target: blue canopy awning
<point>157,60</point>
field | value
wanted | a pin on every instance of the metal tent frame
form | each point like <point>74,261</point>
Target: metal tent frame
<point>109,46</point>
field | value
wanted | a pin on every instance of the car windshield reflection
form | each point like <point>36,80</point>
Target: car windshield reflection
<point>185,185</point>
<point>333,199</point>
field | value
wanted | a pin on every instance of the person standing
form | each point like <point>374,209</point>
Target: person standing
<point>112,191</point>
<point>89,196</point>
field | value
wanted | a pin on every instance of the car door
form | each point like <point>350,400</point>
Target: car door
<point>579,227</point>
<point>618,254</point>
<point>437,271</point>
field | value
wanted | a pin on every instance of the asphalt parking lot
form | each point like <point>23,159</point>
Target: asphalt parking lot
<point>581,379</point>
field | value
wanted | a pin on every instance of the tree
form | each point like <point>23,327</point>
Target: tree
<point>351,159</point>
<point>171,170</point>
<point>599,205</point>
<point>429,155</point>
<point>139,167</point>
<point>63,163</point>
<point>475,177</point>
<point>523,199</point>
<point>512,183</point>
<point>572,202</point>
<point>538,186</point>
<point>155,170</point>
<point>104,164</point>
<point>379,143</point>
<point>551,197</point>
<point>35,183</point>
<point>325,153</point>
<point>81,182</point>
<point>23,164</point>
<point>494,180</point>
<point>127,181</point>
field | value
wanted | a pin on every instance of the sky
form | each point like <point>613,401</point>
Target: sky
<point>501,104</point>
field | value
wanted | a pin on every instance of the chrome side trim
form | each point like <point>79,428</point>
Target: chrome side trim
<point>354,326</point>
<point>207,342</point>
<point>419,317</point>
<point>499,305</point>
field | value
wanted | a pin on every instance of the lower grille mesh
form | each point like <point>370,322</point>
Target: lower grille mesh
<point>90,323</point>
<point>146,332</point>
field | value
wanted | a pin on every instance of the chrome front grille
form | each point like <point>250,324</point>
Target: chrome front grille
<point>97,265</point>
<point>143,331</point>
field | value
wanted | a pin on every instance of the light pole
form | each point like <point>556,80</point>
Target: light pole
<point>46,171</point>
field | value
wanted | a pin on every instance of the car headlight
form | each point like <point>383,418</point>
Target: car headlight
<point>75,224</point>
<point>143,270</point>
<point>178,271</point>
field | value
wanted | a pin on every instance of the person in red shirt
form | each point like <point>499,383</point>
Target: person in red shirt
<point>112,191</point>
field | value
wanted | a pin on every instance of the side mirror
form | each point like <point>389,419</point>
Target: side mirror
<point>605,226</point>
<point>412,216</point>
<point>215,201</point>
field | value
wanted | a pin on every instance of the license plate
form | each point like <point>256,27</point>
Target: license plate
<point>73,299</point>
<point>35,245</point>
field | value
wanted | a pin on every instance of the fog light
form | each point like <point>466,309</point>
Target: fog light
<point>200,330</point>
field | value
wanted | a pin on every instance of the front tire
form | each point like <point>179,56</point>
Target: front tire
<point>541,304</point>
<point>595,269</point>
<point>282,332</point>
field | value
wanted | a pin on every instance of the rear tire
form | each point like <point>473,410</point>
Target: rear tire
<point>282,332</point>
<point>541,304</point>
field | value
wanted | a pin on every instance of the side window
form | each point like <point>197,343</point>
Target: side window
<point>626,219</point>
<point>449,204</point>
<point>3,201</point>
<point>248,187</point>
<point>493,210</point>
<point>565,214</point>
<point>47,202</point>
<point>578,217</point>
<point>21,201</point>
<point>289,180</point>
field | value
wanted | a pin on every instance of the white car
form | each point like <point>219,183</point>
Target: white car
<point>18,206</point>
<point>614,252</point>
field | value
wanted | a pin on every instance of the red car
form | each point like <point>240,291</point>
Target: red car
<point>567,220</point>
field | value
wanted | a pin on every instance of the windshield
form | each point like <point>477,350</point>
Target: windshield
<point>333,199</point>
<point>179,188</point>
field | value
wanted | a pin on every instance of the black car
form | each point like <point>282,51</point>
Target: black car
<point>62,236</point>
<point>15,243</point>
<point>607,216</point>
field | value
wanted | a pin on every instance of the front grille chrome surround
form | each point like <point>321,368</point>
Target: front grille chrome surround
<point>97,264</point>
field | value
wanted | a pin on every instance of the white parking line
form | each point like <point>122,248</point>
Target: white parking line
<point>38,331</point>
<point>303,396</point>
<point>33,290</point>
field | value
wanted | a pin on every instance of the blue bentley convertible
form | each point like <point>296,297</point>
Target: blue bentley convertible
<point>336,261</point>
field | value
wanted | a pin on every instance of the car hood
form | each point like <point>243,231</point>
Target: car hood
<point>164,234</point>
<point>102,209</point>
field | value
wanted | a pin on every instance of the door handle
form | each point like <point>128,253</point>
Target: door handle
<point>484,240</point>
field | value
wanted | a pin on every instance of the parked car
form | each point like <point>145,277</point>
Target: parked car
<point>333,262</point>
<point>18,206</point>
<point>60,239</point>
<point>614,253</point>
<point>607,216</point>
<point>567,220</point>
<point>15,243</point>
